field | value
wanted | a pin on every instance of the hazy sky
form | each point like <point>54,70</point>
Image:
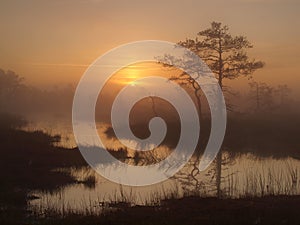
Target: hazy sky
<point>52,42</point>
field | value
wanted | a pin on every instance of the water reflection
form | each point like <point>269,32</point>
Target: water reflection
<point>247,176</point>
<point>244,175</point>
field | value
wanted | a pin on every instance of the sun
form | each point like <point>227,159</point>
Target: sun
<point>133,83</point>
<point>130,74</point>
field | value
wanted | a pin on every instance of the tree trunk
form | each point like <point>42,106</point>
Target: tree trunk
<point>219,159</point>
<point>219,174</point>
<point>257,98</point>
<point>219,156</point>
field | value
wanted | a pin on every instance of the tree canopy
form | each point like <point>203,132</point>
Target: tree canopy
<point>224,53</point>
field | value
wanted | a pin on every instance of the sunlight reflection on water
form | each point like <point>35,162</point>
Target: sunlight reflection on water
<point>247,176</point>
<point>244,175</point>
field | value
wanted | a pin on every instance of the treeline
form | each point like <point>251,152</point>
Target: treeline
<point>18,98</point>
<point>266,98</point>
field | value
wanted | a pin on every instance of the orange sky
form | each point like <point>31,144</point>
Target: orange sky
<point>53,42</point>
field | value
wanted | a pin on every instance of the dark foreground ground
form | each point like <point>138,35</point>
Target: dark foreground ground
<point>194,210</point>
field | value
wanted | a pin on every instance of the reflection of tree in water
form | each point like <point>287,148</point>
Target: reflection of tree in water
<point>227,58</point>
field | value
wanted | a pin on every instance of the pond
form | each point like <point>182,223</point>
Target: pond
<point>243,175</point>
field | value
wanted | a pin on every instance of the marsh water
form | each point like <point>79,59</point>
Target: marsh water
<point>243,175</point>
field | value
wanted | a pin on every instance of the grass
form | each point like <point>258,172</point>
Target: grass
<point>190,210</point>
<point>30,161</point>
<point>27,162</point>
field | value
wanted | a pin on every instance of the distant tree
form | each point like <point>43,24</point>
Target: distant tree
<point>11,121</point>
<point>263,96</point>
<point>283,92</point>
<point>268,98</point>
<point>227,58</point>
<point>10,83</point>
<point>9,80</point>
<point>18,97</point>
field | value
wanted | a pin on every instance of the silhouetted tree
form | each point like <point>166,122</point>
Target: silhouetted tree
<point>283,92</point>
<point>227,58</point>
<point>268,98</point>
<point>18,97</point>
<point>10,83</point>
<point>262,94</point>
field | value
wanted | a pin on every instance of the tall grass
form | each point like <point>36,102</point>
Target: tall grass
<point>264,177</point>
<point>248,177</point>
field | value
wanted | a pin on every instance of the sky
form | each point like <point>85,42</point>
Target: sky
<point>53,42</point>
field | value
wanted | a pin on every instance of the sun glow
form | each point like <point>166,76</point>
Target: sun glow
<point>128,75</point>
<point>131,74</point>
